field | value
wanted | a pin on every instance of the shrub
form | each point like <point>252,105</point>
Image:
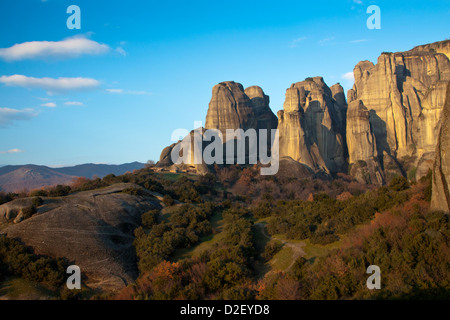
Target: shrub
<point>39,193</point>
<point>271,249</point>
<point>399,184</point>
<point>17,260</point>
<point>239,293</point>
<point>37,202</point>
<point>150,218</point>
<point>134,191</point>
<point>324,237</point>
<point>168,200</point>
<point>59,191</point>
<point>28,212</point>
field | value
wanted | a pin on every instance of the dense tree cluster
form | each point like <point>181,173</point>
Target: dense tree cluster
<point>409,244</point>
<point>324,218</point>
<point>220,272</point>
<point>17,260</point>
<point>157,239</point>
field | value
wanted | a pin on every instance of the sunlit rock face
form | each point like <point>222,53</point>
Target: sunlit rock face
<point>404,94</point>
<point>312,125</point>
<point>441,169</point>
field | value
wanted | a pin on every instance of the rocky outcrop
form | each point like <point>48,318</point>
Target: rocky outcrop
<point>187,154</point>
<point>437,47</point>
<point>441,168</point>
<point>265,119</point>
<point>291,169</point>
<point>361,144</point>
<point>311,125</point>
<point>165,158</point>
<point>388,127</point>
<point>231,107</point>
<point>12,211</point>
<point>92,229</point>
<point>404,94</point>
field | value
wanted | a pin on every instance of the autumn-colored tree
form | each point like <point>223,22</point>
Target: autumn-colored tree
<point>79,182</point>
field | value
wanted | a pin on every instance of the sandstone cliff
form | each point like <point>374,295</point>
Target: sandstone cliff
<point>404,94</point>
<point>389,126</point>
<point>92,229</point>
<point>311,125</point>
<point>441,169</point>
<point>231,107</point>
<point>361,144</point>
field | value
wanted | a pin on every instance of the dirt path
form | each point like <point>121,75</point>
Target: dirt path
<point>297,248</point>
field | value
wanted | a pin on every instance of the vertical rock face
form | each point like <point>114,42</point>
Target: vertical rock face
<point>388,127</point>
<point>361,145</point>
<point>441,169</point>
<point>311,126</point>
<point>260,104</point>
<point>438,47</point>
<point>360,138</point>
<point>404,94</point>
<point>232,107</point>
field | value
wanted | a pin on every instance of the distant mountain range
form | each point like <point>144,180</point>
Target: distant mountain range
<point>17,178</point>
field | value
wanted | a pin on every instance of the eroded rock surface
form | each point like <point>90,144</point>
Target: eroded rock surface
<point>404,94</point>
<point>441,169</point>
<point>92,229</point>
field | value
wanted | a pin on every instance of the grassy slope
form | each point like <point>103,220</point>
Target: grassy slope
<point>282,261</point>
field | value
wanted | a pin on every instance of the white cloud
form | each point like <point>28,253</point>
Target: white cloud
<point>8,115</point>
<point>137,92</point>
<point>49,105</point>
<point>359,40</point>
<point>326,41</point>
<point>121,91</point>
<point>358,1</point>
<point>67,48</point>
<point>73,103</point>
<point>11,151</point>
<point>348,76</point>
<point>52,85</point>
<point>294,43</point>
<point>43,99</point>
<point>114,90</point>
<point>121,51</point>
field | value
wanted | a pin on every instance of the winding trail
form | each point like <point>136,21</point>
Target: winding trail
<point>297,248</point>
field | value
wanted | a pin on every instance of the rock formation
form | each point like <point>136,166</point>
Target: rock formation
<point>438,47</point>
<point>265,119</point>
<point>231,107</point>
<point>92,229</point>
<point>311,125</point>
<point>441,169</point>
<point>292,169</point>
<point>361,144</point>
<point>388,128</point>
<point>404,94</point>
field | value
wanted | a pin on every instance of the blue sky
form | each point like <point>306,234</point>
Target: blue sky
<point>114,91</point>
